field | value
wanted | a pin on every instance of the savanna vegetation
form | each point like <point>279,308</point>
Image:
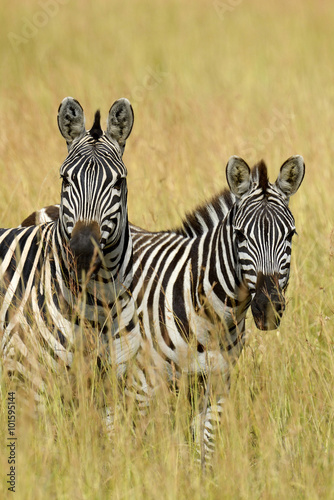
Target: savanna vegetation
<point>206,80</point>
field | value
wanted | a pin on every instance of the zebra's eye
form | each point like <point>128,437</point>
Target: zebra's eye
<point>65,180</point>
<point>118,184</point>
<point>240,235</point>
<point>290,234</point>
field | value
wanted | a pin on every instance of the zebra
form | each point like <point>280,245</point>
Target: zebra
<point>194,285</point>
<point>73,275</point>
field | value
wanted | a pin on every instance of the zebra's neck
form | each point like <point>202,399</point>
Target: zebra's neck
<point>117,261</point>
<point>219,282</point>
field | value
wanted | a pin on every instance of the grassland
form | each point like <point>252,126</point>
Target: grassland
<point>206,80</point>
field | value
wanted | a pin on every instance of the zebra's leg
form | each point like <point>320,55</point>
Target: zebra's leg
<point>135,392</point>
<point>205,428</point>
<point>205,424</point>
<point>142,384</point>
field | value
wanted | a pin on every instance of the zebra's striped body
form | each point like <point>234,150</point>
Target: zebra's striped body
<point>193,286</point>
<point>73,276</point>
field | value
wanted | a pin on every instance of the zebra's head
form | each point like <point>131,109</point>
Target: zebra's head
<point>263,227</point>
<point>93,208</point>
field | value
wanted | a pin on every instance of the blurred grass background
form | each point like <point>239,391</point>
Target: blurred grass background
<point>206,80</point>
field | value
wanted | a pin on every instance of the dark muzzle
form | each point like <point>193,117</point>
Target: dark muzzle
<point>268,303</point>
<point>85,245</point>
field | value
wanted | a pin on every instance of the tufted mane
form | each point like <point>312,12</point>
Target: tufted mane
<point>96,131</point>
<point>260,175</point>
<point>207,215</point>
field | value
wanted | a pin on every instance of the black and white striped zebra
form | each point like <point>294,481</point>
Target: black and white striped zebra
<point>194,285</point>
<point>64,277</point>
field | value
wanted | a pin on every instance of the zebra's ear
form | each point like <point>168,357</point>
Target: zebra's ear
<point>71,120</point>
<point>291,175</point>
<point>238,176</point>
<point>120,121</point>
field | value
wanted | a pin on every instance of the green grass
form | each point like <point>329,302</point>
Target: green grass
<point>255,80</point>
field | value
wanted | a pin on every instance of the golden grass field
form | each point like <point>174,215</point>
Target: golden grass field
<point>207,79</point>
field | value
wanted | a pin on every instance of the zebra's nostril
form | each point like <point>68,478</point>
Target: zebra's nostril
<point>279,308</point>
<point>256,310</point>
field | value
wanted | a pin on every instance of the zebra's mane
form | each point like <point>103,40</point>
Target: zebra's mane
<point>96,132</point>
<point>206,216</point>
<point>259,175</point>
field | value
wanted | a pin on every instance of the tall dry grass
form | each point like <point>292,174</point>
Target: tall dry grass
<point>207,80</point>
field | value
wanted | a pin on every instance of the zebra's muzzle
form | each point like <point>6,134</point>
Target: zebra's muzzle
<point>85,246</point>
<point>268,303</point>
